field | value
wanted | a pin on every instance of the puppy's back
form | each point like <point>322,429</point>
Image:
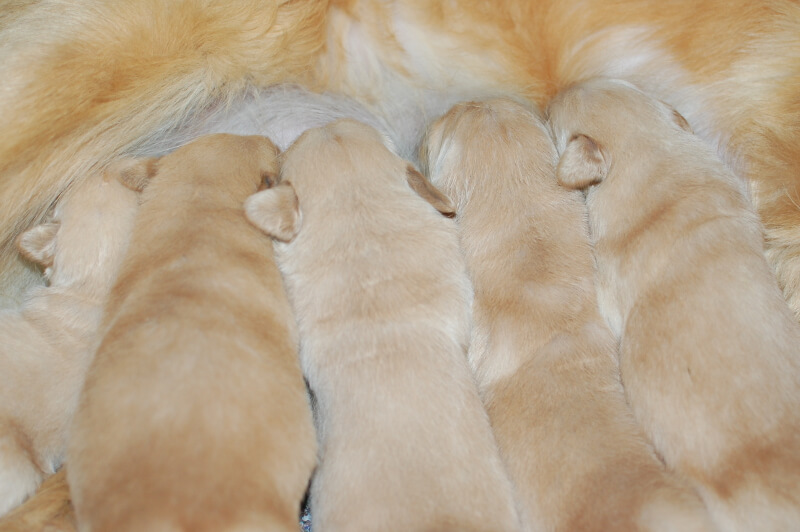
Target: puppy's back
<point>382,300</point>
<point>544,357</point>
<point>196,398</point>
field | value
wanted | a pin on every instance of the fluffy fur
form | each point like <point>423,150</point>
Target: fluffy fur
<point>50,510</point>
<point>709,352</point>
<point>281,113</point>
<point>545,360</point>
<point>84,81</point>
<point>194,415</point>
<point>47,345</point>
<point>382,300</point>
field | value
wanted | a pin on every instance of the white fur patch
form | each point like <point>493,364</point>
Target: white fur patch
<point>19,478</point>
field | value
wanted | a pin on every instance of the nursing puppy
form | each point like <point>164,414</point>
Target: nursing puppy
<point>195,415</point>
<point>710,353</point>
<point>46,345</point>
<point>544,358</point>
<point>382,300</point>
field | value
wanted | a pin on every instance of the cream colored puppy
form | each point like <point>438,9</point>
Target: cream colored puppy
<point>46,345</point>
<point>195,414</point>
<point>710,353</point>
<point>382,299</point>
<point>545,359</point>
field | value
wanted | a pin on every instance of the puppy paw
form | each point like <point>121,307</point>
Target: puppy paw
<point>19,476</point>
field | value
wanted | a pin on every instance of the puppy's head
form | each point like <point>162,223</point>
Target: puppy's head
<point>85,239</point>
<point>481,142</point>
<point>338,157</point>
<point>601,119</point>
<point>231,165</point>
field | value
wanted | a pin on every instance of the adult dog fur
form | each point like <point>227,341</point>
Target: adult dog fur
<point>710,353</point>
<point>545,360</point>
<point>47,345</point>
<point>382,301</point>
<point>85,81</point>
<point>194,415</point>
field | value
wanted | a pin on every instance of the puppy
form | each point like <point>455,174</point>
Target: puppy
<point>382,300</point>
<point>544,358</point>
<point>710,353</point>
<point>46,345</point>
<point>195,415</point>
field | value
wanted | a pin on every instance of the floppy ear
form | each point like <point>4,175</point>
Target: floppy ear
<point>681,121</point>
<point>134,173</point>
<point>38,244</point>
<point>582,164</point>
<point>275,211</point>
<point>268,179</point>
<point>429,193</point>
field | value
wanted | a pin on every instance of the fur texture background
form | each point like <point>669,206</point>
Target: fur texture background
<point>85,81</point>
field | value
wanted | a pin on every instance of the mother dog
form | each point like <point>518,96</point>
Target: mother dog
<point>86,80</point>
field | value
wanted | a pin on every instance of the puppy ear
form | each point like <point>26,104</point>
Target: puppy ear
<point>275,211</point>
<point>429,193</point>
<point>134,173</point>
<point>681,121</point>
<point>38,244</point>
<point>268,179</point>
<point>582,164</point>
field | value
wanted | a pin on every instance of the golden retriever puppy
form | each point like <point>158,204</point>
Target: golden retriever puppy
<point>545,360</point>
<point>47,344</point>
<point>195,414</point>
<point>710,352</point>
<point>382,300</point>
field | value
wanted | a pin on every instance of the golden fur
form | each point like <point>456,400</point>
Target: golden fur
<point>709,350</point>
<point>545,360</point>
<point>47,345</point>
<point>194,415</point>
<point>382,301</point>
<point>84,81</point>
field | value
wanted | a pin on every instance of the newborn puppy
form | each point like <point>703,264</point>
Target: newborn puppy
<point>710,353</point>
<point>195,414</point>
<point>46,345</point>
<point>544,358</point>
<point>382,300</point>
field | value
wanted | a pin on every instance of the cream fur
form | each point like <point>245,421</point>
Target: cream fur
<point>47,344</point>
<point>709,351</point>
<point>282,113</point>
<point>49,510</point>
<point>194,415</point>
<point>382,300</point>
<point>545,360</point>
<point>85,81</point>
